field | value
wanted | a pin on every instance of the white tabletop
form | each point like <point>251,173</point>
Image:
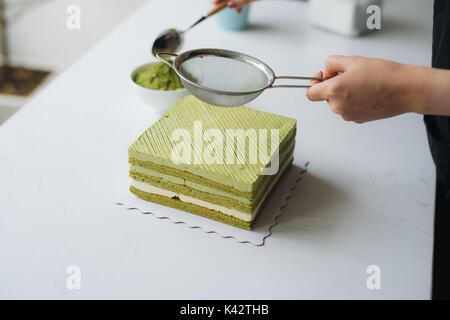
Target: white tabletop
<point>367,198</point>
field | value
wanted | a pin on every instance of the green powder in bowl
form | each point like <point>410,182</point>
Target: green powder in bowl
<point>158,76</point>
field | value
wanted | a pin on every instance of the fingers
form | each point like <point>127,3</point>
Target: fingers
<point>238,4</point>
<point>327,89</point>
<point>335,65</point>
<point>323,90</point>
<point>318,92</point>
<point>241,3</point>
<point>317,75</point>
<point>232,4</point>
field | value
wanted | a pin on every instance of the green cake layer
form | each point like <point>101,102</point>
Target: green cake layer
<point>192,208</point>
<point>155,144</point>
<point>287,145</point>
<point>230,192</point>
<point>203,192</point>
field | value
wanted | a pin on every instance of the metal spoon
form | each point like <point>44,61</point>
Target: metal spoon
<point>171,40</point>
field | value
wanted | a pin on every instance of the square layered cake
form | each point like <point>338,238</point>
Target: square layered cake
<point>220,163</point>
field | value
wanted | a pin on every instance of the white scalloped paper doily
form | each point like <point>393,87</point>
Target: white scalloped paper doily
<point>262,228</point>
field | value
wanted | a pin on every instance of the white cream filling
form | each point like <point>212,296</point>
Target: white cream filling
<point>244,216</point>
<point>146,187</point>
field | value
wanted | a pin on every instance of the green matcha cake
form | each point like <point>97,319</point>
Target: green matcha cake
<point>220,163</point>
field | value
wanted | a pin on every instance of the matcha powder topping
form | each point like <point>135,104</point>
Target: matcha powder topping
<point>159,76</point>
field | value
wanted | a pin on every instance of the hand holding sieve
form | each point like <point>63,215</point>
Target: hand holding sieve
<point>225,78</point>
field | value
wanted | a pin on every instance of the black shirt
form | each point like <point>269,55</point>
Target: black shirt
<point>438,130</point>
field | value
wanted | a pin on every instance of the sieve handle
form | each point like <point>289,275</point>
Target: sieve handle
<point>159,54</point>
<point>294,78</point>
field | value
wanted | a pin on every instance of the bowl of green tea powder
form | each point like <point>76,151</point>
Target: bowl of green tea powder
<point>159,85</point>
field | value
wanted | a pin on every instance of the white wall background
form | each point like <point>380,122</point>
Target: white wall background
<point>41,35</point>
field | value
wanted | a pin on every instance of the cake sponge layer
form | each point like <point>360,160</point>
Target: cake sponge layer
<point>211,194</point>
<point>192,208</point>
<point>250,192</point>
<point>176,203</point>
<point>156,144</point>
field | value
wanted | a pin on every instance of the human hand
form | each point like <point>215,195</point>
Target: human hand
<point>235,4</point>
<point>364,89</point>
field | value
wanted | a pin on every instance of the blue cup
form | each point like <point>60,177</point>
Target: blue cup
<point>229,19</point>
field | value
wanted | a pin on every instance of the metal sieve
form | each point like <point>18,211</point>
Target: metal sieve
<point>225,78</point>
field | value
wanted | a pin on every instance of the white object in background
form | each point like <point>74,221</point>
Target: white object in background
<point>346,17</point>
<point>160,100</point>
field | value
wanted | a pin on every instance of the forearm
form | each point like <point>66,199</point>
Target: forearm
<point>427,90</point>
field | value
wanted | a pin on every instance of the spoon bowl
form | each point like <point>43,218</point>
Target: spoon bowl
<point>170,40</point>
